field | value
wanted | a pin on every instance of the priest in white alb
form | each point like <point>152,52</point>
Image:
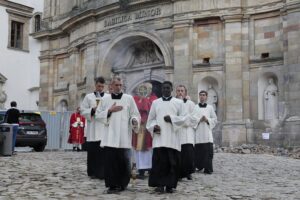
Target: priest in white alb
<point>166,140</point>
<point>94,130</point>
<point>187,136</point>
<point>203,119</point>
<point>120,115</point>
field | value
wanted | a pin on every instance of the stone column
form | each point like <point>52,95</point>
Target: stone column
<point>91,64</point>
<point>291,47</point>
<point>74,64</point>
<point>46,82</point>
<point>183,52</point>
<point>234,130</point>
<point>291,32</point>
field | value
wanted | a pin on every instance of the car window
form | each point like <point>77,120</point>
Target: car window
<point>30,118</point>
<point>2,116</point>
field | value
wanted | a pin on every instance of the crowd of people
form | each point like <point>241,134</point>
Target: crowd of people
<point>167,137</point>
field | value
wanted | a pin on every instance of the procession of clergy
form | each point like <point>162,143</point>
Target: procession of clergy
<point>180,135</point>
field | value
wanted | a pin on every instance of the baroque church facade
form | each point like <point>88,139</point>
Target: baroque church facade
<point>247,52</point>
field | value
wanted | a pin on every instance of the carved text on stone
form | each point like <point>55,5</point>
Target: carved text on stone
<point>146,13</point>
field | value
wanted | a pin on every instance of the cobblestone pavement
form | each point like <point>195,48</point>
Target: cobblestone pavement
<point>62,175</point>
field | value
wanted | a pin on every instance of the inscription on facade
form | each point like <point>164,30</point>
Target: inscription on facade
<point>142,14</point>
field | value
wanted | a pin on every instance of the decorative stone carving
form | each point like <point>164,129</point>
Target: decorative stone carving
<point>271,100</point>
<point>3,95</point>
<point>146,53</point>
<point>212,97</point>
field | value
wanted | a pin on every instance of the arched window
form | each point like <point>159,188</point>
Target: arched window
<point>37,23</point>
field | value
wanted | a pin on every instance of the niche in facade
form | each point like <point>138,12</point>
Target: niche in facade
<point>268,96</point>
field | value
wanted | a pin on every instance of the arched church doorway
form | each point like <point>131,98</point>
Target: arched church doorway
<point>137,57</point>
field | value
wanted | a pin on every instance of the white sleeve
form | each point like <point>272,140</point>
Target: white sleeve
<point>212,119</point>
<point>85,108</point>
<point>151,122</point>
<point>134,114</point>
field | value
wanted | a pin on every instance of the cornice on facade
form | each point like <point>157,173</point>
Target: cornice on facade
<point>16,6</point>
<point>232,13</point>
<point>22,14</point>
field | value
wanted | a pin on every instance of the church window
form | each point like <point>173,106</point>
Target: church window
<point>16,35</point>
<point>37,23</point>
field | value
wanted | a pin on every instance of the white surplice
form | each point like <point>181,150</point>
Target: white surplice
<point>186,132</point>
<point>203,132</point>
<point>118,127</point>
<point>168,136</point>
<point>94,129</point>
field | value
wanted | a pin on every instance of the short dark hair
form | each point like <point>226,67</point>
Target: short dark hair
<point>167,83</point>
<point>203,91</point>
<point>13,104</point>
<point>99,79</point>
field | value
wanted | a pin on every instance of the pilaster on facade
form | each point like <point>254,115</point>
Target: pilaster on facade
<point>234,127</point>
<point>183,52</point>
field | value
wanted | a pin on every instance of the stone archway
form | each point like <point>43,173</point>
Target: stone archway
<point>137,57</point>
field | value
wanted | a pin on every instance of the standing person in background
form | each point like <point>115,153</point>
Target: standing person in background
<point>142,142</point>
<point>94,130</point>
<point>12,114</point>
<point>121,116</point>
<point>187,136</point>
<point>166,141</point>
<point>205,119</point>
<point>77,124</point>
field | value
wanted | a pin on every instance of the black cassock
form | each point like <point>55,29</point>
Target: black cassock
<point>95,160</point>
<point>165,167</point>
<point>187,160</point>
<point>117,167</point>
<point>204,153</point>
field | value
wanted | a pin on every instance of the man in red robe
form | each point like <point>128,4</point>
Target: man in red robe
<point>77,123</point>
<point>142,142</point>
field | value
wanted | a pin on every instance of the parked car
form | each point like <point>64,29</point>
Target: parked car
<point>2,116</point>
<point>32,130</point>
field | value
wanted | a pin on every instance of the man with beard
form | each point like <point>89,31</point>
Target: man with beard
<point>187,136</point>
<point>120,115</point>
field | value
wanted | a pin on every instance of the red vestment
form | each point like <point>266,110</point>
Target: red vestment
<point>143,140</point>
<point>77,123</point>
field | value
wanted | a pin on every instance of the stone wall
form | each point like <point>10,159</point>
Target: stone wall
<point>233,46</point>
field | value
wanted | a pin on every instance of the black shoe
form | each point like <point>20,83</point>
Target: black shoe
<point>169,190</point>
<point>159,190</point>
<point>77,149</point>
<point>112,190</point>
<point>74,148</point>
<point>120,189</point>
<point>93,177</point>
<point>189,177</point>
<point>207,171</point>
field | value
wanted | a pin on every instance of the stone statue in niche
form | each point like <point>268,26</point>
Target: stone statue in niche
<point>62,106</point>
<point>212,97</point>
<point>271,100</point>
<point>146,52</point>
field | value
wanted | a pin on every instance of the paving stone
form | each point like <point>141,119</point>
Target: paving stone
<point>62,175</point>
